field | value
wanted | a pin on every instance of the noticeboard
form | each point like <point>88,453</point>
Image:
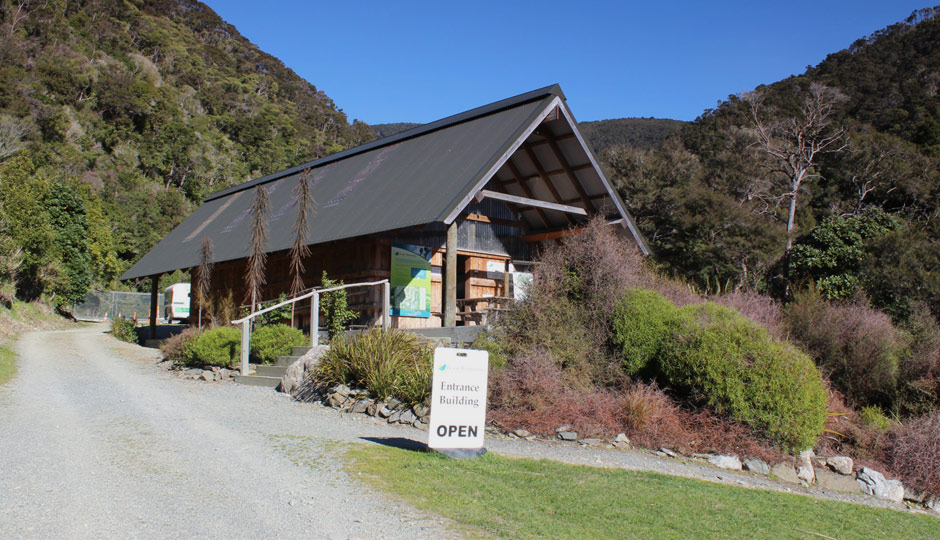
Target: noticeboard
<point>410,280</point>
<point>458,398</point>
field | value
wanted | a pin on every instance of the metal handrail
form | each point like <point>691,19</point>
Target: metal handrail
<point>314,314</point>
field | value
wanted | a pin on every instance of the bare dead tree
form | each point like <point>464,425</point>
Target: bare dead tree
<point>12,132</point>
<point>204,274</point>
<point>793,145</point>
<point>257,258</point>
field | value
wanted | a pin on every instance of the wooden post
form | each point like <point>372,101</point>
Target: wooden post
<point>315,320</point>
<point>246,337</point>
<point>506,279</point>
<point>154,284</point>
<point>450,276</point>
<point>386,305</point>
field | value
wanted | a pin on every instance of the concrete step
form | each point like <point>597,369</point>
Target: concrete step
<point>258,380</point>
<point>300,351</point>
<point>285,361</point>
<point>271,371</point>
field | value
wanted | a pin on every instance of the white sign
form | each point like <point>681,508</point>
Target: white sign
<point>458,398</point>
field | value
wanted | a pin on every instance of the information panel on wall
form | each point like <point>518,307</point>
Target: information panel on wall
<point>410,280</point>
<point>458,399</point>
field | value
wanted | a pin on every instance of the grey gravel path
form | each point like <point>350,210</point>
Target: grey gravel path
<point>97,442</point>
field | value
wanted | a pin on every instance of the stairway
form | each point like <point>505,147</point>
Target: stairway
<point>270,375</point>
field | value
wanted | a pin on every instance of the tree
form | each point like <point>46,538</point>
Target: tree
<point>12,132</point>
<point>257,258</point>
<point>792,146</point>
<point>833,252</point>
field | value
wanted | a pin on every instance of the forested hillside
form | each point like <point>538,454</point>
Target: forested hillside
<point>118,117</point>
<point>643,133</point>
<point>830,178</point>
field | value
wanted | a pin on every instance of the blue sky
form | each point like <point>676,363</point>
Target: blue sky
<point>419,61</point>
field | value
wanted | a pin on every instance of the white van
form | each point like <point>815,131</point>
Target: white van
<point>176,302</point>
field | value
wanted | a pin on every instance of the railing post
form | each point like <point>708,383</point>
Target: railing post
<point>246,336</point>
<point>315,319</point>
<point>386,305</point>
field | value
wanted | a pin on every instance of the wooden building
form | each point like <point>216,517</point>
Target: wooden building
<point>441,210</point>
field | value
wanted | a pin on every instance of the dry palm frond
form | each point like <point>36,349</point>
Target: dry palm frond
<point>299,249</point>
<point>254,276</point>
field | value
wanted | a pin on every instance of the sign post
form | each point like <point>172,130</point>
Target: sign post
<point>458,402</point>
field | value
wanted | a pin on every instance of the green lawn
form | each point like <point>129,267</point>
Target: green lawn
<point>496,497</point>
<point>7,364</point>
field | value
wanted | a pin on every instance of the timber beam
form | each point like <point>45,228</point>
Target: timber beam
<point>525,201</point>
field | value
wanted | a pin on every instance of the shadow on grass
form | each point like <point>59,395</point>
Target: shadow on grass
<point>399,442</point>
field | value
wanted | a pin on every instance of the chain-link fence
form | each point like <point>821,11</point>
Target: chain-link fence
<point>107,305</point>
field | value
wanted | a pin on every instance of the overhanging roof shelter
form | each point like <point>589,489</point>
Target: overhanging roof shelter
<point>525,151</point>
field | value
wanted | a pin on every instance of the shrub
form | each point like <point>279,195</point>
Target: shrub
<point>269,342</point>
<point>913,451</point>
<point>530,393</point>
<point>174,346</point>
<point>124,330</point>
<point>651,418</point>
<point>856,346</point>
<point>219,346</point>
<point>487,342</point>
<point>389,363</point>
<point>643,321</point>
<point>919,376</point>
<point>334,306</point>
<point>733,365</point>
<point>758,308</point>
<point>873,417</point>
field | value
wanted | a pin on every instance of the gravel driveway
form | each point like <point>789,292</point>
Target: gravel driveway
<point>98,442</point>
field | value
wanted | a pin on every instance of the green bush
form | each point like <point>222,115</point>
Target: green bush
<point>643,322</point>
<point>733,365</point>
<point>489,343</point>
<point>874,418</point>
<point>269,342</point>
<point>389,363</point>
<point>124,329</point>
<point>220,346</point>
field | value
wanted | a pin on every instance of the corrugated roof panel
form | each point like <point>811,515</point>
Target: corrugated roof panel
<point>409,182</point>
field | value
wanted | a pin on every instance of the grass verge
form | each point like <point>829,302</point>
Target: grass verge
<point>523,498</point>
<point>7,363</point>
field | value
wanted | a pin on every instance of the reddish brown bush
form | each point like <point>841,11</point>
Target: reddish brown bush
<point>574,290</point>
<point>652,419</point>
<point>856,347</point>
<point>919,385</point>
<point>172,347</point>
<point>758,308</point>
<point>531,394</point>
<point>713,433</point>
<point>913,452</point>
<point>846,434</point>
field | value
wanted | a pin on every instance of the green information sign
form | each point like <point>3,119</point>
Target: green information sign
<point>411,280</point>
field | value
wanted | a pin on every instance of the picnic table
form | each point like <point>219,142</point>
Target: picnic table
<point>470,310</point>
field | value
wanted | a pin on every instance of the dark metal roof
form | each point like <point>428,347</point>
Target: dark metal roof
<point>423,175</point>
